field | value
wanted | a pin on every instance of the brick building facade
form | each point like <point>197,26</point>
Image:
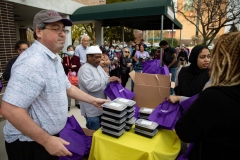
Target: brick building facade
<point>7,35</point>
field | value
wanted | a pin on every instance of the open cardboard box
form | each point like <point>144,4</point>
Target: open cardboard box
<point>88,132</point>
<point>150,89</point>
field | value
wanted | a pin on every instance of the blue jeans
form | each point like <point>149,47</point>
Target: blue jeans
<point>93,123</point>
<point>173,71</point>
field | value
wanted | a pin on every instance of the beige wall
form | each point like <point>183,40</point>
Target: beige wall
<point>91,2</point>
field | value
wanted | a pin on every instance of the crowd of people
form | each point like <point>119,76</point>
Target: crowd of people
<point>38,93</point>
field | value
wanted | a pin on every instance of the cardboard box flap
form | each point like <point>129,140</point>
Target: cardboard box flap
<point>132,75</point>
<point>88,132</point>
<point>152,79</point>
<point>150,96</point>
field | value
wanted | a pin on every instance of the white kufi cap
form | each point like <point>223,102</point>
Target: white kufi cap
<point>93,50</point>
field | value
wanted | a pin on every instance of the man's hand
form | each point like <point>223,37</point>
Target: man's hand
<point>55,146</point>
<point>114,78</point>
<point>173,99</point>
<point>98,102</point>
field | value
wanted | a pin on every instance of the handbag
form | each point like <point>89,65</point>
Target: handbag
<point>166,114</point>
<point>72,79</point>
<point>115,90</point>
<point>153,67</point>
<point>80,144</point>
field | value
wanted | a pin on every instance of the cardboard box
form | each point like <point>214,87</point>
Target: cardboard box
<point>150,89</point>
<point>88,132</point>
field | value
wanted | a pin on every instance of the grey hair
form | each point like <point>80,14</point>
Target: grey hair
<point>85,35</point>
<point>40,26</point>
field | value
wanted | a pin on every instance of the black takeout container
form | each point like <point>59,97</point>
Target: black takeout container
<point>112,133</point>
<point>114,107</point>
<point>145,133</point>
<point>146,125</point>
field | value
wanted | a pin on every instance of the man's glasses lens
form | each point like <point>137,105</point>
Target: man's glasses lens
<point>127,52</point>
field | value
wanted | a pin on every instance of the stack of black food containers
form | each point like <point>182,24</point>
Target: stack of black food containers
<point>146,128</point>
<point>130,119</point>
<point>113,119</point>
<point>144,112</point>
<point>129,123</point>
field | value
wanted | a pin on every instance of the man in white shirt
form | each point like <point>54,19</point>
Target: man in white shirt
<point>80,50</point>
<point>92,79</point>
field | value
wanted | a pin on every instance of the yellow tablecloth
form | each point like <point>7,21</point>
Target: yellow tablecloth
<point>165,145</point>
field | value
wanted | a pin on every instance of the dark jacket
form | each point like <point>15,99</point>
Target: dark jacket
<point>7,72</point>
<point>211,123</point>
<point>123,64</point>
<point>67,64</point>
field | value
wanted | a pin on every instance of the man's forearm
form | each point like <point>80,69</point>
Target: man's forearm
<point>78,94</point>
<point>174,61</point>
<point>21,120</point>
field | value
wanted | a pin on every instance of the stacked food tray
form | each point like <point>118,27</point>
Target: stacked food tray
<point>144,112</point>
<point>130,120</point>
<point>146,128</point>
<point>130,123</point>
<point>113,119</point>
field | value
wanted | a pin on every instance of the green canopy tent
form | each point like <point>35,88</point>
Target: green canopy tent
<point>142,15</point>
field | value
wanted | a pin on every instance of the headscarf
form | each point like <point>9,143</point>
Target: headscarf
<point>192,79</point>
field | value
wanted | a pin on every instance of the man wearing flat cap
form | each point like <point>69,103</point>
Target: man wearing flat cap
<point>35,100</point>
<point>92,79</point>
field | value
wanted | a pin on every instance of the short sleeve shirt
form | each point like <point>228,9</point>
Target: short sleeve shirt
<point>138,54</point>
<point>168,58</point>
<point>38,84</point>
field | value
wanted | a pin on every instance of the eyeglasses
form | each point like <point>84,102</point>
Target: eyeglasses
<point>127,52</point>
<point>59,30</point>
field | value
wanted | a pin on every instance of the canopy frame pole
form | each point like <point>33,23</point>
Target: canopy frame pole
<point>161,38</point>
<point>123,32</point>
<point>180,44</point>
<point>172,33</point>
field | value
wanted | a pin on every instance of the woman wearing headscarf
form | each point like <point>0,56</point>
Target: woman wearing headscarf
<point>211,123</point>
<point>192,79</point>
